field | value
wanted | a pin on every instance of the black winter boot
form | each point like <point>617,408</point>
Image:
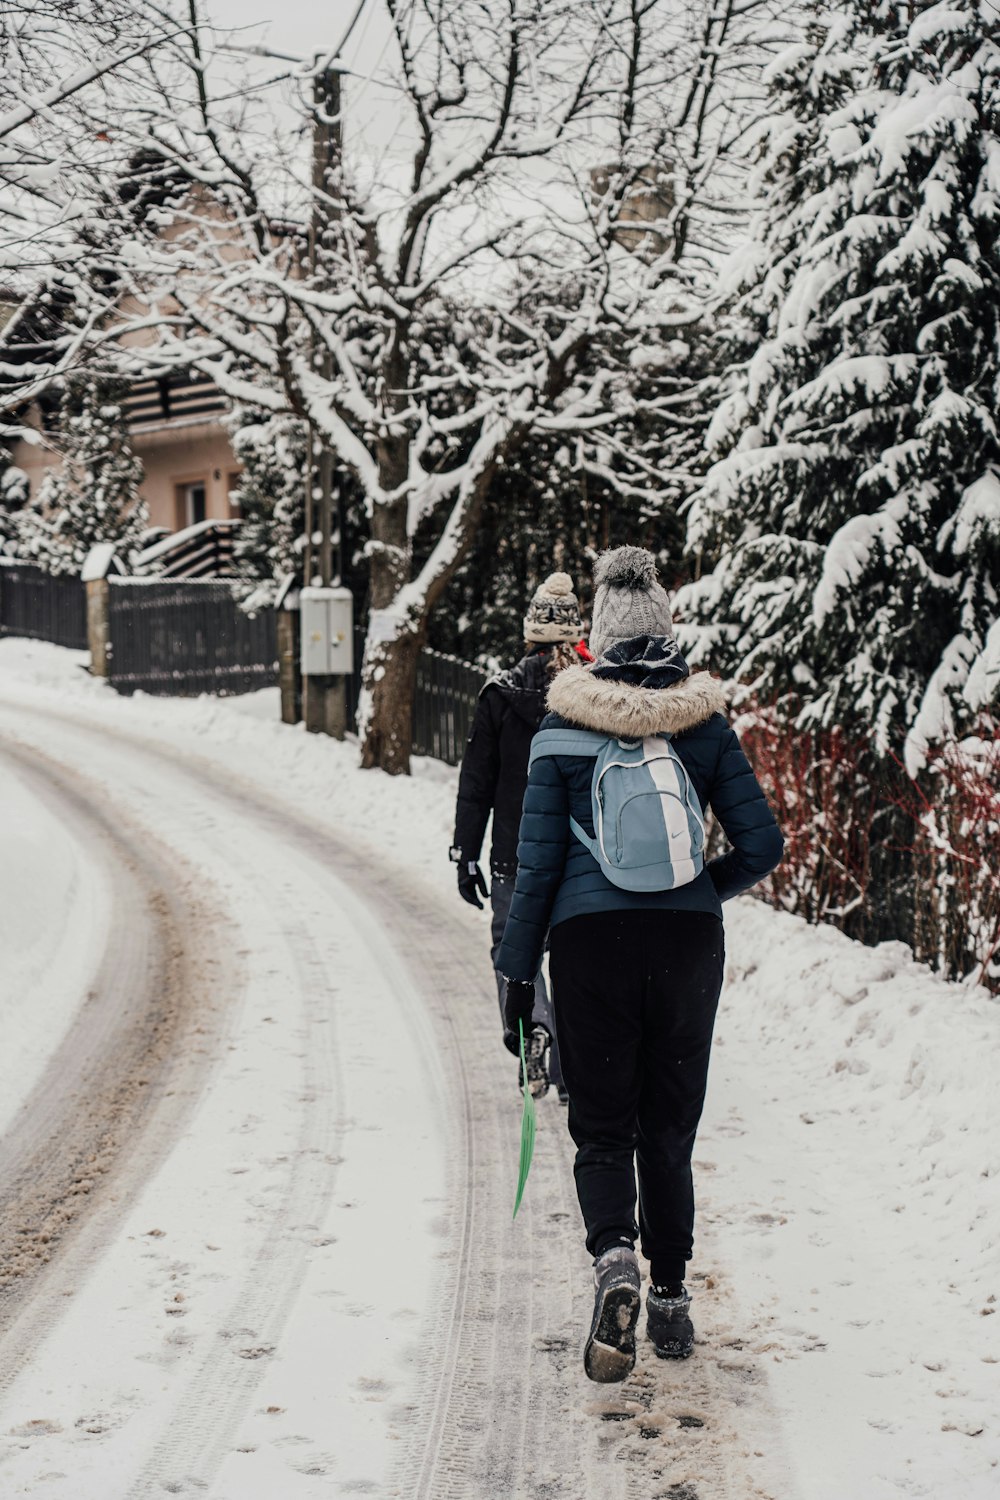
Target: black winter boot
<point>609,1353</point>
<point>668,1324</point>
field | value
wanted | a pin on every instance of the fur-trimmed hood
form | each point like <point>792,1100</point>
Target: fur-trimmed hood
<point>632,712</point>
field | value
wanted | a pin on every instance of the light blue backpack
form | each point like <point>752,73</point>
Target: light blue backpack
<point>650,835</point>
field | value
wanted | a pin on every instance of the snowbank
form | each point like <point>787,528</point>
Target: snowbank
<point>852,1116</point>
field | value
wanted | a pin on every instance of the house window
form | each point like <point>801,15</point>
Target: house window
<point>191,503</point>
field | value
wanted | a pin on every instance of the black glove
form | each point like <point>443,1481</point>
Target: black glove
<point>518,1003</point>
<point>471,882</point>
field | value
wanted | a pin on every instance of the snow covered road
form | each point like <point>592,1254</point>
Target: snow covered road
<point>198,1285</point>
<point>290,1269</point>
<point>308,1284</point>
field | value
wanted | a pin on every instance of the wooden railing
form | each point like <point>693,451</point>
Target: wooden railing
<point>188,636</point>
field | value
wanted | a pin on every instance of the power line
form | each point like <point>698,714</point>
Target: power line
<point>356,17</point>
<point>321,62</point>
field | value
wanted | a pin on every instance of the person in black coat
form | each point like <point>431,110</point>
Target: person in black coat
<point>636,974</point>
<point>492,781</point>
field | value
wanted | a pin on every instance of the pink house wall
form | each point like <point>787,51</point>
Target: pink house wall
<point>174,454</point>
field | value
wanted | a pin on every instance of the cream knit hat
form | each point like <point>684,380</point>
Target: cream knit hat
<point>554,612</point>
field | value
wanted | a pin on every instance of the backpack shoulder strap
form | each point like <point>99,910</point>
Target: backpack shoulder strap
<point>569,742</point>
<point>566,742</point>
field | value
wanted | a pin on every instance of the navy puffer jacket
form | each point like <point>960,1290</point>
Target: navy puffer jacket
<point>557,878</point>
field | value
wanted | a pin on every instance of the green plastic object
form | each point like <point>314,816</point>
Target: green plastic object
<point>527,1128</point>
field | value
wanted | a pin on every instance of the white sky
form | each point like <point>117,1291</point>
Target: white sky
<point>372,116</point>
<point>305,26</point>
<point>377,130</point>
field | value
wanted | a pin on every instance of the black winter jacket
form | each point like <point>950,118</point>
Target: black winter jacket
<point>559,878</point>
<point>495,764</point>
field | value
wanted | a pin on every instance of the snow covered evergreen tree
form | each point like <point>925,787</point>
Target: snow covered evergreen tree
<point>273,451</point>
<point>853,511</point>
<point>93,495</point>
<point>854,508</point>
<point>13,497</point>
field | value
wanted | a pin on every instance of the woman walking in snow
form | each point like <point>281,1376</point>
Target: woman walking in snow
<point>491,784</point>
<point>636,972</point>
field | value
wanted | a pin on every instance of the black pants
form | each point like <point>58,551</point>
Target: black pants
<point>635,995</point>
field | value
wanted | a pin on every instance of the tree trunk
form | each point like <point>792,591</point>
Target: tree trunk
<point>390,668</point>
<point>390,676</point>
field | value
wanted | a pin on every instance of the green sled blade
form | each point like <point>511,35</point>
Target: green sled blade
<point>527,1128</point>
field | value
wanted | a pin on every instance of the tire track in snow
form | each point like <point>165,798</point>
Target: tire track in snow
<point>135,1052</point>
<point>504,1409</point>
<point>470,1433</point>
<point>217,1395</point>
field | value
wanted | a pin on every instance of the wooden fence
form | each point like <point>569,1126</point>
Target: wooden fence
<point>445,702</point>
<point>183,637</point>
<point>187,637</point>
<point>43,606</point>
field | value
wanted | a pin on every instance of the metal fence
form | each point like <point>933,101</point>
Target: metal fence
<point>43,606</point>
<point>187,637</point>
<point>444,705</point>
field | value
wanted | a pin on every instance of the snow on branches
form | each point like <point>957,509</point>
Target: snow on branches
<point>561,175</point>
<point>93,496</point>
<point>273,454</point>
<point>854,506</point>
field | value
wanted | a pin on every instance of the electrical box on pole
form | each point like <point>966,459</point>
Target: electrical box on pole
<point>327,623</point>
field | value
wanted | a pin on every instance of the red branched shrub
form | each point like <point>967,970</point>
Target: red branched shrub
<point>880,854</point>
<point>824,806</point>
<point>954,812</point>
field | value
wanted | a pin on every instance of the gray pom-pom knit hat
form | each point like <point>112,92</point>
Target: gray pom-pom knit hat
<point>628,600</point>
<point>554,612</point>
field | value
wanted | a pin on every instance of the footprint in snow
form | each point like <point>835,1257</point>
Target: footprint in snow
<point>37,1427</point>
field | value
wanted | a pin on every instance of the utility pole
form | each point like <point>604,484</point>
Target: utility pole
<point>324,698</point>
